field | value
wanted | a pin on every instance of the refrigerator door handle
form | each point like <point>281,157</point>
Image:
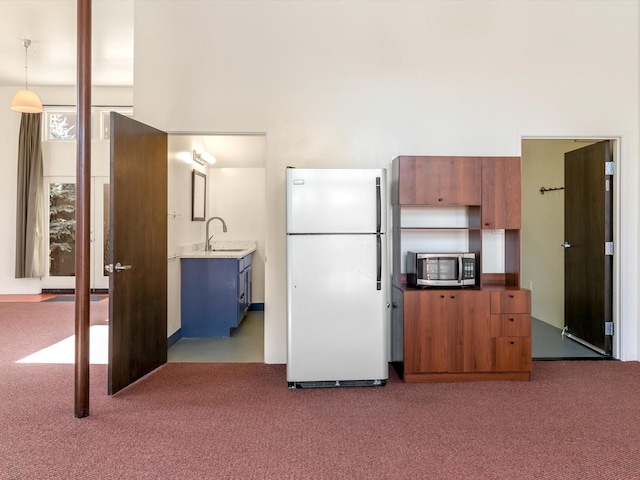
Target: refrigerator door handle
<point>378,206</point>
<point>379,262</point>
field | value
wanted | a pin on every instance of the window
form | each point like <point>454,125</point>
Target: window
<point>62,229</point>
<point>60,123</point>
<point>60,242</point>
<point>104,121</point>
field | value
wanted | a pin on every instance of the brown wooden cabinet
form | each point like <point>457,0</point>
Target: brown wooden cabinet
<point>464,335</point>
<point>511,331</point>
<point>501,193</point>
<point>446,331</point>
<point>511,301</point>
<point>481,333</point>
<point>439,180</point>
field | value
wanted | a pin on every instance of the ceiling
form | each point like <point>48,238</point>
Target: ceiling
<point>51,27</point>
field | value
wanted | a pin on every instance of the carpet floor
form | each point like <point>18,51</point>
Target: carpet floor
<point>573,420</point>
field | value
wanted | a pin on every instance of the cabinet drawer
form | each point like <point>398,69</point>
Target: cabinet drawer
<point>511,354</point>
<point>511,301</point>
<point>511,325</point>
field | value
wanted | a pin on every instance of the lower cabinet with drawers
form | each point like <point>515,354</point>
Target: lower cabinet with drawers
<point>511,331</point>
<point>461,335</point>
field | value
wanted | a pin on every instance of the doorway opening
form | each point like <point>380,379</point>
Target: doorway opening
<point>235,192</point>
<point>59,168</point>
<point>543,239</point>
<point>59,208</point>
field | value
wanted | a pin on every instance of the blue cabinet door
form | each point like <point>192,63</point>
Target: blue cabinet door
<point>209,302</point>
<point>215,295</point>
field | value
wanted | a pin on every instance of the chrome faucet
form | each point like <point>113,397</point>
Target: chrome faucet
<point>207,243</point>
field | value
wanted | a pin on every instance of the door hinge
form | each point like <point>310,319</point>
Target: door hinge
<point>608,248</point>
<point>609,168</point>
<point>608,328</point>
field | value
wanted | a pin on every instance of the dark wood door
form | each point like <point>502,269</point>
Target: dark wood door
<point>588,214</point>
<point>138,243</point>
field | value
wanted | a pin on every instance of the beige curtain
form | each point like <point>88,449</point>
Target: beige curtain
<point>30,203</point>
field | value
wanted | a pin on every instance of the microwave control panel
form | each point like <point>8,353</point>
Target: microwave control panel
<point>468,269</point>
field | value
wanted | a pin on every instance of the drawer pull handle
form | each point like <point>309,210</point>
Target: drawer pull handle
<point>441,296</point>
<point>511,319</point>
<point>512,343</point>
<point>453,296</point>
<point>440,199</point>
<point>510,295</point>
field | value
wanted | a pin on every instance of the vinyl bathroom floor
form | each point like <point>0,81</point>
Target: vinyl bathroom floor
<point>547,343</point>
<point>245,345</point>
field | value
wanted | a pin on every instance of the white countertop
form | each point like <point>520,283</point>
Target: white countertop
<point>224,249</point>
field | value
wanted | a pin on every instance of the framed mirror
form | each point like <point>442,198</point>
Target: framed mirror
<point>198,196</point>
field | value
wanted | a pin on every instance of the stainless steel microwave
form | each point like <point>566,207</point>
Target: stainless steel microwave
<point>441,269</point>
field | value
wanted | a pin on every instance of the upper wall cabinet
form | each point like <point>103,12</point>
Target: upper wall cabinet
<point>439,181</point>
<point>501,193</point>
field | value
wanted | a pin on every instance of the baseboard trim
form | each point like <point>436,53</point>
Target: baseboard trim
<point>173,339</point>
<point>256,307</point>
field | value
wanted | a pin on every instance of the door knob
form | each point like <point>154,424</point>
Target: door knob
<point>117,268</point>
<point>565,245</point>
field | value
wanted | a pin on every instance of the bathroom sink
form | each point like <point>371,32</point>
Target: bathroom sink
<point>234,249</point>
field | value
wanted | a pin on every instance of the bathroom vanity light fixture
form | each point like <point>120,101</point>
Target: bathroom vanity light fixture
<point>203,158</point>
<point>26,101</point>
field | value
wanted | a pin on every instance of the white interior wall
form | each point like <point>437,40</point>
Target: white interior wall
<point>543,227</point>
<point>9,130</point>
<point>182,232</point>
<point>237,195</point>
<point>354,84</point>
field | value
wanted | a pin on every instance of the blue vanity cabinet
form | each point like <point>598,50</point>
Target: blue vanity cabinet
<point>244,288</point>
<point>215,295</point>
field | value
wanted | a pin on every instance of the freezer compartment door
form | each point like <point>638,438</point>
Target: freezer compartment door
<point>337,313</point>
<point>336,200</point>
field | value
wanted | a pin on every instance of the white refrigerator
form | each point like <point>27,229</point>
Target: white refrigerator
<point>337,320</point>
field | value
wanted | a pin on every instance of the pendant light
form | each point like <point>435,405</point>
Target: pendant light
<point>26,101</point>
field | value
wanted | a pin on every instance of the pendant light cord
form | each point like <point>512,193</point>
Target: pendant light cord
<point>26,42</point>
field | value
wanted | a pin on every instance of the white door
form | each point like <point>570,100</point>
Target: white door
<point>336,315</point>
<point>60,205</point>
<point>336,200</point>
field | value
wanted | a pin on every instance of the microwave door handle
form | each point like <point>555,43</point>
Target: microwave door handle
<point>459,268</point>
